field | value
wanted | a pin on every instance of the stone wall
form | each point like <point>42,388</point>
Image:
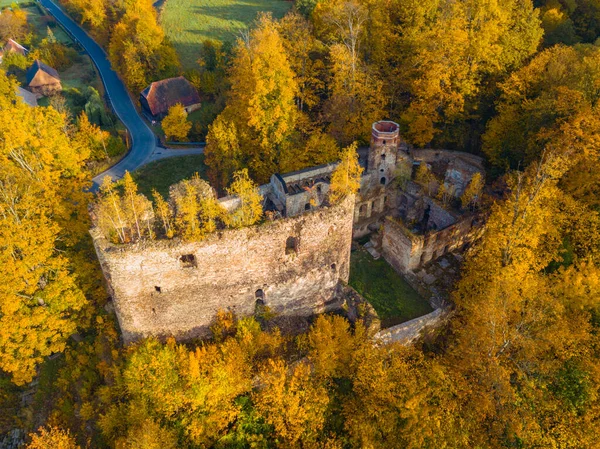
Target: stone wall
<point>406,333</point>
<point>407,251</point>
<point>170,287</point>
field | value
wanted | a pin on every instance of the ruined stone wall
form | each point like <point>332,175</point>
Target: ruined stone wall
<point>401,248</point>
<point>293,265</point>
<point>406,251</point>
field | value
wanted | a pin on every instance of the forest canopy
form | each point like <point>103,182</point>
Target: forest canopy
<point>515,365</point>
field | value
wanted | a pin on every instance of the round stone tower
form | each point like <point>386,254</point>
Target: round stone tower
<point>384,150</point>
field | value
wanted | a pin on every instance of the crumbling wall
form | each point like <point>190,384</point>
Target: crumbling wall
<point>170,287</point>
<point>401,248</point>
<point>407,251</point>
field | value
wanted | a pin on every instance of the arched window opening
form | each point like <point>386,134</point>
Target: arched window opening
<point>307,206</point>
<point>382,181</point>
<point>259,295</point>
<point>291,245</point>
<point>362,210</point>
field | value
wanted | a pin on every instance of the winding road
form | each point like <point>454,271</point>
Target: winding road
<point>143,141</point>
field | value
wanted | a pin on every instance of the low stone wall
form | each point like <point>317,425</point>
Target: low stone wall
<point>406,333</point>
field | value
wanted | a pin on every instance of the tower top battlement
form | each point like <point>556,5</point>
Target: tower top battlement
<point>385,129</point>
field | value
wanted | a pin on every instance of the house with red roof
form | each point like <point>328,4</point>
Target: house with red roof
<point>159,96</point>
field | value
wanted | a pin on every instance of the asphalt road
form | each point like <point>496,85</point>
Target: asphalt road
<point>143,141</point>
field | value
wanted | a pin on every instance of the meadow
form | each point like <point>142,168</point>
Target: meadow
<point>189,22</point>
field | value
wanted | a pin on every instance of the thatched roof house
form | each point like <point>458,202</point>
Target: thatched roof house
<point>159,96</point>
<point>43,79</point>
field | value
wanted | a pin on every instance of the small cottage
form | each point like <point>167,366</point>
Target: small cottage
<point>13,46</point>
<point>159,96</point>
<point>42,79</point>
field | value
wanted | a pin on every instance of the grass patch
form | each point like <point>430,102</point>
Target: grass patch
<point>189,22</point>
<point>40,24</point>
<point>392,297</point>
<point>160,175</point>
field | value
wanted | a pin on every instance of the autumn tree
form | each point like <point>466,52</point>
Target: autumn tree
<point>195,391</point>
<point>175,124</point>
<point>345,179</point>
<point>197,210</point>
<point>293,402</point>
<point>42,217</point>
<point>516,322</point>
<point>123,217</point>
<point>261,103</point>
<point>223,152</point>
<point>52,438</point>
<point>356,99</point>
<point>440,58</point>
<point>138,48</point>
<point>426,178</point>
<point>92,137</point>
<point>301,45</point>
<point>13,25</point>
<point>164,213</point>
<point>550,99</point>
<point>472,194</point>
<point>250,209</point>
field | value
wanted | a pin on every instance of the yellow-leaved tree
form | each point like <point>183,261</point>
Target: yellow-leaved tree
<point>250,209</point>
<point>472,194</point>
<point>176,125</point>
<point>261,106</point>
<point>123,217</point>
<point>42,216</point>
<point>138,48</point>
<point>223,153</point>
<point>52,438</point>
<point>345,179</point>
<point>197,210</point>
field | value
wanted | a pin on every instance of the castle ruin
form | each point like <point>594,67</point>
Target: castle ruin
<point>298,263</point>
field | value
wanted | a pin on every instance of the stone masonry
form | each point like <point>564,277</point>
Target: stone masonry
<point>169,287</point>
<point>297,262</point>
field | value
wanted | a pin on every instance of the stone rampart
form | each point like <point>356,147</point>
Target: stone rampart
<point>175,288</point>
<point>406,333</point>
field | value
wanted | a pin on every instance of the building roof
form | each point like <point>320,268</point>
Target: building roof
<point>13,45</point>
<point>27,97</point>
<point>36,67</point>
<point>161,95</point>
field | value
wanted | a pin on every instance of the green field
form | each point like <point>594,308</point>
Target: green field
<point>160,175</point>
<point>394,300</point>
<point>189,22</point>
